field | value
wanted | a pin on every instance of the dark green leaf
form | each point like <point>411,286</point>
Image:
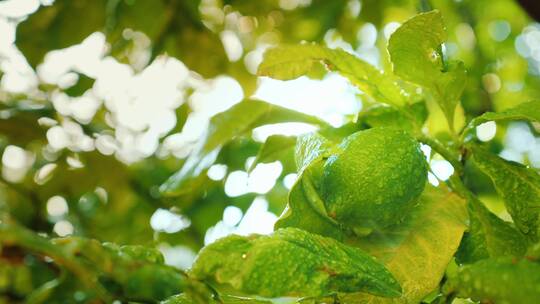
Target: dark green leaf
<point>238,120</point>
<point>305,210</point>
<point>83,84</point>
<point>489,236</point>
<point>135,271</point>
<point>292,262</point>
<point>497,280</point>
<point>533,253</point>
<point>59,26</point>
<point>518,186</point>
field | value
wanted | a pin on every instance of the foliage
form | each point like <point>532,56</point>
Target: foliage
<point>359,224</point>
<point>293,262</point>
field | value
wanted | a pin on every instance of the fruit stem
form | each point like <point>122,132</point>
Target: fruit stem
<point>451,157</point>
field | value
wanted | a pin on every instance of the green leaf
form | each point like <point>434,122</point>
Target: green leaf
<point>149,17</point>
<point>415,48</point>
<point>59,26</point>
<point>525,111</point>
<point>416,52</point>
<point>289,62</point>
<point>533,253</point>
<point>14,235</point>
<point>276,147</point>
<point>338,134</point>
<point>310,147</point>
<point>449,87</point>
<point>410,118</point>
<point>305,210</point>
<point>292,262</point>
<point>185,299</point>
<point>518,186</point>
<point>137,271</point>
<point>178,299</point>
<point>236,121</point>
<point>489,236</point>
<point>418,250</point>
<point>83,84</point>
<point>497,280</point>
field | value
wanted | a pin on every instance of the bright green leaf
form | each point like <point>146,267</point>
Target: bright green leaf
<point>276,147</point>
<point>411,118</point>
<point>418,250</point>
<point>415,48</point>
<point>310,147</point>
<point>338,134</point>
<point>306,211</point>
<point>238,120</point>
<point>518,186</point>
<point>525,111</point>
<point>292,262</point>
<point>497,280</point>
<point>289,62</point>
<point>416,52</point>
<point>489,236</point>
<point>185,299</point>
<point>449,87</point>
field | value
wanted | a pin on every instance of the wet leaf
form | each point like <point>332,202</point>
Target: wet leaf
<point>418,250</point>
<point>517,185</point>
<point>497,280</point>
<point>292,262</point>
<point>305,210</point>
<point>310,147</point>
<point>416,52</point>
<point>185,299</point>
<point>529,111</point>
<point>489,236</point>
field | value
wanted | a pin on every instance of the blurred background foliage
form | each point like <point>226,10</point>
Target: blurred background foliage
<point>102,101</point>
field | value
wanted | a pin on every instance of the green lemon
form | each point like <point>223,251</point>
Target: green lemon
<point>373,178</point>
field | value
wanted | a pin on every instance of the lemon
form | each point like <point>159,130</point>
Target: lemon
<point>373,178</point>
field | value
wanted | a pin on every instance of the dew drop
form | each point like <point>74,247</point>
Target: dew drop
<point>433,55</point>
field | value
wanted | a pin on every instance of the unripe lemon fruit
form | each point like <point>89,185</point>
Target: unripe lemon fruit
<point>373,178</point>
